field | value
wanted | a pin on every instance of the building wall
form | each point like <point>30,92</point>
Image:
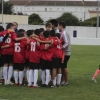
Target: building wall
<point>14,18</point>
<point>48,12</point>
<point>93,15</point>
<point>85,35</point>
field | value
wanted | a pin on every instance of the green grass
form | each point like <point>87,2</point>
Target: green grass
<point>82,65</point>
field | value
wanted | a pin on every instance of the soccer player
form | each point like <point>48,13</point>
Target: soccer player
<point>15,27</point>
<point>54,25</point>
<point>7,53</point>
<point>48,26</point>
<point>19,59</point>
<point>46,54</point>
<point>67,48</point>
<point>56,60</point>
<point>27,50</point>
<point>34,62</point>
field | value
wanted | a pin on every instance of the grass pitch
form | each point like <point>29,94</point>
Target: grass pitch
<point>82,65</point>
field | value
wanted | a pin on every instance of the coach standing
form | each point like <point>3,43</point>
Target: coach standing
<point>67,49</point>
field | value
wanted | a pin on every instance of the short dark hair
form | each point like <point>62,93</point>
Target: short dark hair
<point>52,32</point>
<point>9,25</point>
<point>1,28</point>
<point>37,31</point>
<point>54,22</point>
<point>63,24</point>
<point>41,29</point>
<point>21,30</point>
<point>20,34</point>
<point>47,25</point>
<point>46,34</point>
<point>29,32</point>
<point>16,23</point>
<point>58,35</point>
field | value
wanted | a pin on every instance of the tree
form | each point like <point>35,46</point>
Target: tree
<point>69,19</point>
<point>7,7</point>
<point>90,22</point>
<point>35,19</point>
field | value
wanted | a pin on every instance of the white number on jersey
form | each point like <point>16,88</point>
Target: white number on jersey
<point>58,46</point>
<point>33,46</point>
<point>17,47</point>
<point>8,40</point>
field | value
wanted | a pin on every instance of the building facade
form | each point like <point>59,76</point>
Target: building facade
<point>52,9</point>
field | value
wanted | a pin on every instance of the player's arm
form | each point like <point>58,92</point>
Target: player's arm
<point>7,46</point>
<point>64,37</point>
<point>48,46</point>
<point>38,44</point>
<point>18,39</point>
<point>41,40</point>
<point>58,40</point>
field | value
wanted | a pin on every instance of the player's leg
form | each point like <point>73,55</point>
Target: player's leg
<point>48,67</point>
<point>27,72</point>
<point>15,67</point>
<point>10,69</point>
<point>65,70</point>
<point>95,75</point>
<point>43,63</point>
<point>36,68</point>
<point>54,72</point>
<point>30,74</point>
<point>5,68</point>
<point>21,73</point>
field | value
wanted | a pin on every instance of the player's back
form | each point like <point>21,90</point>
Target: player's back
<point>46,54</point>
<point>8,41</point>
<point>34,51</point>
<point>19,51</point>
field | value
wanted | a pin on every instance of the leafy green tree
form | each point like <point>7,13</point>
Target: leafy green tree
<point>90,22</point>
<point>35,19</point>
<point>69,19</point>
<point>7,8</point>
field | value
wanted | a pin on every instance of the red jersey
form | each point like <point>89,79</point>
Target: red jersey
<point>57,48</point>
<point>46,54</point>
<point>27,50</point>
<point>8,41</point>
<point>19,51</point>
<point>34,52</point>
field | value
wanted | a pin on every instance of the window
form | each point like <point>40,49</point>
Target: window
<point>50,9</point>
<point>45,9</point>
<point>62,9</point>
<point>57,9</point>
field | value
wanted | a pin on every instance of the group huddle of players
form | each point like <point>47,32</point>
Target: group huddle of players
<point>34,50</point>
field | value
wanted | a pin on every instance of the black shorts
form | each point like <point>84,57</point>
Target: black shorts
<point>45,64</point>
<point>7,58</point>
<point>18,66</point>
<point>34,65</point>
<point>1,63</point>
<point>64,65</point>
<point>56,62</point>
<point>26,63</point>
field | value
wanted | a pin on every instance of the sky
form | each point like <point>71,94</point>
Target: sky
<point>64,0</point>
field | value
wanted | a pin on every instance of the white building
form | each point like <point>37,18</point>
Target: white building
<point>49,9</point>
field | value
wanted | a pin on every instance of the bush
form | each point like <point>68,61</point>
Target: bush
<point>35,19</point>
<point>69,19</point>
<point>91,22</point>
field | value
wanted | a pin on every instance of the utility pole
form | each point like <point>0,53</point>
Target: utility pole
<point>2,12</point>
<point>97,19</point>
